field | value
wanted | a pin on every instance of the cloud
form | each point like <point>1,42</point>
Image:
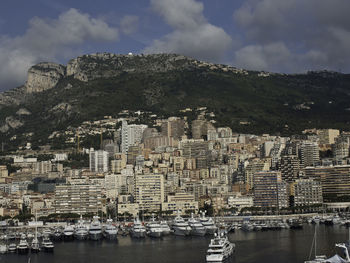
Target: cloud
<point>129,24</point>
<point>192,34</point>
<point>313,34</point>
<point>49,39</point>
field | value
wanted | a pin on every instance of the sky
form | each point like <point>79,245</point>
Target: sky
<point>287,36</point>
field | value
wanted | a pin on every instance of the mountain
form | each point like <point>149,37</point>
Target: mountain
<point>92,86</point>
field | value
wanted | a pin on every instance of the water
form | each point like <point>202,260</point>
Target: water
<point>287,246</point>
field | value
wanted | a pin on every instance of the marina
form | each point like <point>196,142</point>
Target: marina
<point>275,238</point>
<point>287,245</point>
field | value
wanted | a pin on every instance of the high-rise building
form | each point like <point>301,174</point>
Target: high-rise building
<point>173,127</point>
<point>270,190</point>
<point>310,155</point>
<point>254,166</point>
<point>98,161</point>
<point>149,191</point>
<point>290,167</point>
<point>131,135</point>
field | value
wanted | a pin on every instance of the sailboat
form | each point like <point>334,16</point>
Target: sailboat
<point>318,258</point>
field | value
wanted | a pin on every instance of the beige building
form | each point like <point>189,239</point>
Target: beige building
<point>149,191</point>
<point>327,136</point>
<point>78,198</point>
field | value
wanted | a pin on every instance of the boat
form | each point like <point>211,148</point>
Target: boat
<point>11,236</point>
<point>197,228</point>
<point>154,229</point>
<point>138,230</point>
<point>47,244</point>
<point>220,248</point>
<point>3,248</point>
<point>23,246</point>
<point>318,258</point>
<point>247,226</point>
<point>95,230</point>
<point>57,234</point>
<point>180,227</point>
<point>208,223</point>
<point>165,228</point>
<point>12,248</point>
<point>68,232</point>
<point>81,231</point>
<point>110,231</point>
<point>35,246</point>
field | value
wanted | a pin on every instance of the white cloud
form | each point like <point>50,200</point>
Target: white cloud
<point>129,24</point>
<point>314,34</point>
<point>192,34</point>
<point>49,39</point>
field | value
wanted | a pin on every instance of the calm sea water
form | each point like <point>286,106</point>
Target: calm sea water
<point>287,246</point>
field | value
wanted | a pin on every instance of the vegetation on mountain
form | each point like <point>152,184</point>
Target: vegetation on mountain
<point>246,102</point>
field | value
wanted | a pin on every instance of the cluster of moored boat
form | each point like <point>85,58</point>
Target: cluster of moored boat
<point>179,226</point>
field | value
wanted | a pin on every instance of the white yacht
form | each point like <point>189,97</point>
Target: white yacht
<point>95,230</point>
<point>35,246</point>
<point>180,227</point>
<point>220,248</point>
<point>138,230</point>
<point>68,232</point>
<point>165,228</point>
<point>3,248</point>
<point>23,246</point>
<point>208,223</point>
<point>154,229</point>
<point>81,231</point>
<point>12,247</point>
<point>197,228</point>
<point>47,244</point>
<point>110,231</point>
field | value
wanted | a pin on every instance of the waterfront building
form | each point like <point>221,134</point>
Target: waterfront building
<point>149,191</point>
<point>306,192</point>
<point>78,198</point>
<point>335,180</point>
<point>270,190</point>
<point>240,201</point>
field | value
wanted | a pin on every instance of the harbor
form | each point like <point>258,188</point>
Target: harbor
<point>290,246</point>
<point>291,237</point>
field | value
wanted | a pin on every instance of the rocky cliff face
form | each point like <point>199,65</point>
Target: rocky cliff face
<point>106,65</point>
<point>44,76</point>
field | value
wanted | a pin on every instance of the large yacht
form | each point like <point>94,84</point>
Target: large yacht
<point>180,227</point>
<point>220,248</point>
<point>47,244</point>
<point>110,231</point>
<point>208,223</point>
<point>81,231</point>
<point>165,228</point>
<point>12,247</point>
<point>138,230</point>
<point>23,246</point>
<point>154,229</point>
<point>35,246</point>
<point>197,228</point>
<point>95,230</point>
<point>68,232</point>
